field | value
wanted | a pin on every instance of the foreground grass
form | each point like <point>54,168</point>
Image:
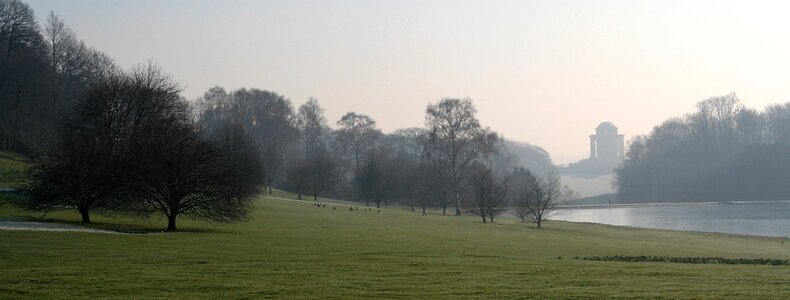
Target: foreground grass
<point>295,250</point>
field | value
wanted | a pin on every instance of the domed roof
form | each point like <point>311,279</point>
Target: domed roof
<point>606,125</point>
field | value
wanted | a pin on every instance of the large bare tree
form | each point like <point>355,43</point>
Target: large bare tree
<point>99,146</point>
<point>458,139</point>
<point>184,175</point>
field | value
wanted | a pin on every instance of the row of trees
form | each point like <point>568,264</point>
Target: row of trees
<point>42,73</point>
<point>117,141</point>
<point>451,163</point>
<point>132,146</point>
<point>722,152</point>
<point>109,140</point>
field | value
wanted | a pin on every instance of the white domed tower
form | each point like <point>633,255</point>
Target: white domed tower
<point>606,144</point>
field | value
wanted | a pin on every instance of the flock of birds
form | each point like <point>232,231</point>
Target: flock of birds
<point>351,208</point>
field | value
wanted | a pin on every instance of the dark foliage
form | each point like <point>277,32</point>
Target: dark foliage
<point>723,152</point>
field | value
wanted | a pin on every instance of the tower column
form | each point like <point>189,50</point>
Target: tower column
<point>592,147</point>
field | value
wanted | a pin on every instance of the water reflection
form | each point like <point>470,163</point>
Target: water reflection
<point>752,218</point>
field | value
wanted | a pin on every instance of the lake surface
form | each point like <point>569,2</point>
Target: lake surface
<point>752,218</point>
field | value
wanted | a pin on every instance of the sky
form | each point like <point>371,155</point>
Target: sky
<point>543,72</point>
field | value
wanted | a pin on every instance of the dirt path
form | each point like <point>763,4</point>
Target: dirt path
<point>17,224</point>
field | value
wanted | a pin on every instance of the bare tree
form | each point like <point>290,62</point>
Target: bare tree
<point>69,60</point>
<point>18,26</point>
<point>312,129</point>
<point>24,119</point>
<point>182,174</point>
<point>317,169</point>
<point>239,156</point>
<point>431,188</point>
<point>322,173</point>
<point>408,146</point>
<point>488,195</point>
<point>540,200</point>
<point>357,135</point>
<point>298,174</point>
<point>379,177</point>
<point>99,146</point>
<point>266,116</point>
<point>458,139</point>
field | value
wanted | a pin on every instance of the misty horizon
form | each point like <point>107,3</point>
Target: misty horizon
<point>545,73</point>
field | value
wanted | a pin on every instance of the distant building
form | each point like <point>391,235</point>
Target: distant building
<point>607,149</point>
<point>606,143</point>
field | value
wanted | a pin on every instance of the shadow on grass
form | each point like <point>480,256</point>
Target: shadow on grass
<point>116,227</point>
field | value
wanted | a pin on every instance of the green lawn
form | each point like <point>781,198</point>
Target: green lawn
<point>296,250</point>
<point>11,166</point>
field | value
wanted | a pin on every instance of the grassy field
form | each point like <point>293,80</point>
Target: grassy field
<point>296,250</point>
<point>10,166</point>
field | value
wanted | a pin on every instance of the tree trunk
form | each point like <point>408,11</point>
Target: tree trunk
<point>86,216</point>
<point>171,223</point>
<point>378,204</point>
<point>315,197</point>
<point>491,216</point>
<point>411,203</point>
<point>484,217</point>
<point>299,195</point>
<point>457,204</point>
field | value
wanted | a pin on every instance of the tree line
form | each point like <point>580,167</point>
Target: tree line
<point>453,163</point>
<point>722,152</point>
<point>125,141</point>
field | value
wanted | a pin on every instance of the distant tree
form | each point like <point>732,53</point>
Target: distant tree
<point>408,146</point>
<point>488,194</point>
<point>266,117</point>
<point>521,181</point>
<point>458,140</point>
<point>241,156</point>
<point>322,174</point>
<point>357,135</point>
<point>532,157</point>
<point>567,194</point>
<point>312,127</point>
<point>777,119</point>
<point>317,170</point>
<point>540,200</point>
<point>24,125</point>
<point>379,177</point>
<point>298,177</point>
<point>721,152</point>
<point>70,63</point>
<point>18,27</point>
<point>432,187</point>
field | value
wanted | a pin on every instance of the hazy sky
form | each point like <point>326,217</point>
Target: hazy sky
<point>545,72</point>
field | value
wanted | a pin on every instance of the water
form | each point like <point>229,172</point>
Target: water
<point>752,218</point>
